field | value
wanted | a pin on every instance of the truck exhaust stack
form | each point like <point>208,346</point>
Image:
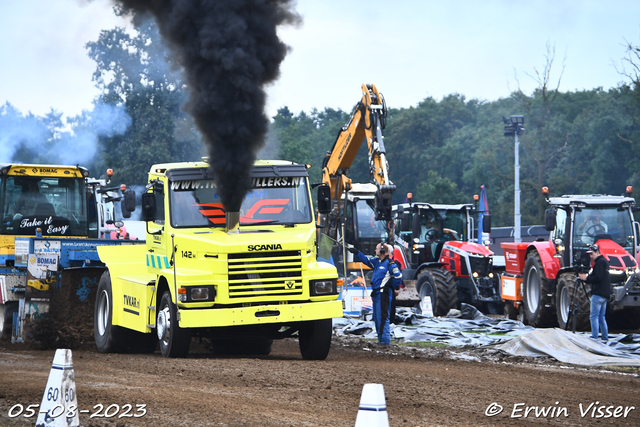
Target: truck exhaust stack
<point>232,222</point>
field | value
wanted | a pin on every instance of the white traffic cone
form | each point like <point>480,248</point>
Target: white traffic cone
<point>373,408</point>
<point>59,405</point>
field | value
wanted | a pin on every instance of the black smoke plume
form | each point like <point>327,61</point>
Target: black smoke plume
<point>229,50</point>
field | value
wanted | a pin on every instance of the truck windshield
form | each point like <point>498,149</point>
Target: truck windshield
<point>592,224</point>
<point>283,200</point>
<point>442,225</point>
<point>54,205</point>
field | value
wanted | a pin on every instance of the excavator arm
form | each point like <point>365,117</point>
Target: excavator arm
<point>366,123</point>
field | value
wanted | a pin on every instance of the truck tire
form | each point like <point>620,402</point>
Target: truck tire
<point>174,341</point>
<point>570,295</point>
<point>314,338</point>
<point>441,287</point>
<point>109,338</point>
<point>627,319</point>
<point>6,318</point>
<point>539,307</point>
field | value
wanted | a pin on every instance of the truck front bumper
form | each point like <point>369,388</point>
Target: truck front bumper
<point>257,315</point>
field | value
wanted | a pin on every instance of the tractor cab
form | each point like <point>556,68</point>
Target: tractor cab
<point>576,222</point>
<point>423,229</point>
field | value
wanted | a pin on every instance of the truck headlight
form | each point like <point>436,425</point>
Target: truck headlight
<point>323,287</point>
<point>196,293</point>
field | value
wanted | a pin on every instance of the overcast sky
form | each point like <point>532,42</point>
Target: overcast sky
<point>409,49</point>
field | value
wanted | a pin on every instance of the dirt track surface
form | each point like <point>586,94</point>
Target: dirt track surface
<point>423,387</point>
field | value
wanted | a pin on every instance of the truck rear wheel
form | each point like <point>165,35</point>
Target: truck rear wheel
<point>6,318</point>
<point>315,339</point>
<point>571,296</point>
<point>539,306</point>
<point>174,340</point>
<point>109,337</point>
<point>441,287</point>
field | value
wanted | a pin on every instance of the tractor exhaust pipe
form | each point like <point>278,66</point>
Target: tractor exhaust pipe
<point>232,222</point>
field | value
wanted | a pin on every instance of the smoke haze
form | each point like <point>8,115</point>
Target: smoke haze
<point>50,141</point>
<point>229,50</point>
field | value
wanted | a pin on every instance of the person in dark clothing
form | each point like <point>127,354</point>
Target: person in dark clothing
<point>600,292</point>
<point>385,281</point>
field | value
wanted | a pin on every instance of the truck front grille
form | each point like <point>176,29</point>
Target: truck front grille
<point>262,274</point>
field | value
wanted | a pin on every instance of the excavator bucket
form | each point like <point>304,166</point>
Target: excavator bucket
<point>383,202</point>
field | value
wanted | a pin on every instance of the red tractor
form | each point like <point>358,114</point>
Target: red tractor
<point>435,246</point>
<point>540,284</point>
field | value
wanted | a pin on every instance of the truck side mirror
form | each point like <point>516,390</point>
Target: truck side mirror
<point>123,208</point>
<point>128,203</point>
<point>486,223</point>
<point>148,207</point>
<point>324,199</point>
<point>550,219</point>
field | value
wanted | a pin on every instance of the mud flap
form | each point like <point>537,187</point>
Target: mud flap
<point>69,322</point>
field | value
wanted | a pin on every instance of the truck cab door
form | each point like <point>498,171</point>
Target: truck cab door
<point>158,242</point>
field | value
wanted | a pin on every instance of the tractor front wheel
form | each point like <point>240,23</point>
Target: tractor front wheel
<point>439,285</point>
<point>571,300</point>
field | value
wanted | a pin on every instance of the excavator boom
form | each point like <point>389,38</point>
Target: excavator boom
<point>366,123</point>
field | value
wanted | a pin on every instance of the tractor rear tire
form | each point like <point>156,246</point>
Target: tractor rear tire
<point>438,284</point>
<point>174,341</point>
<point>6,318</point>
<point>568,294</point>
<point>539,304</point>
<point>315,339</point>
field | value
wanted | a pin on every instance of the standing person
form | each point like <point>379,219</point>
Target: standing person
<point>385,281</point>
<point>600,292</point>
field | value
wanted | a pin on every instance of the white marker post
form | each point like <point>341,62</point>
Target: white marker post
<point>373,407</point>
<point>426,306</point>
<point>59,405</point>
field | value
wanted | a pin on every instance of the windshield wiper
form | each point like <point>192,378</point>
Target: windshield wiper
<point>269,222</point>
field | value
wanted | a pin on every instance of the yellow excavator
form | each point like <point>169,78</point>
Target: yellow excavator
<point>366,123</point>
<point>360,214</point>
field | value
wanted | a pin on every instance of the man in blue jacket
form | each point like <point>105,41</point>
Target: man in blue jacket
<point>386,279</point>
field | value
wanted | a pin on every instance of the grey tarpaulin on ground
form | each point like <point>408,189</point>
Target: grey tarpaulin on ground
<point>576,349</point>
<point>469,327</point>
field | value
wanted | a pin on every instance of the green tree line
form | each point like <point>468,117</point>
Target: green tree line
<point>581,142</point>
<point>441,151</point>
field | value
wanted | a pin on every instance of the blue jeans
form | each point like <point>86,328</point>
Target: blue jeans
<point>598,323</point>
<point>381,319</point>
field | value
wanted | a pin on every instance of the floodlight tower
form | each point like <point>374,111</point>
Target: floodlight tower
<point>515,126</point>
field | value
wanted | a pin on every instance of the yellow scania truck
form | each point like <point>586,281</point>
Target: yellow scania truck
<point>239,279</point>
